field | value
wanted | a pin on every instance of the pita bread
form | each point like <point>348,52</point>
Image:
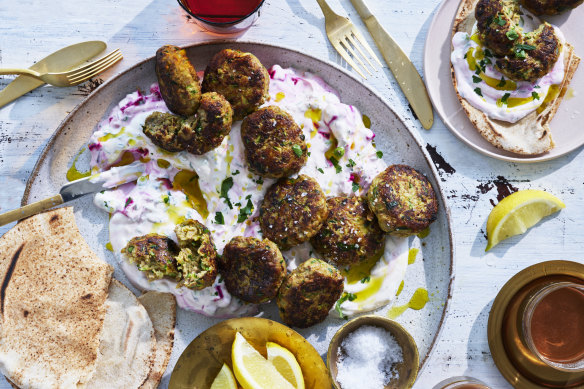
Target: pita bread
<point>530,135</point>
<point>162,310</point>
<point>127,342</point>
<point>52,294</point>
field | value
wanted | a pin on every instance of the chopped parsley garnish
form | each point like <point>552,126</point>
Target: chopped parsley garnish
<point>355,187</point>
<point>535,95</point>
<point>130,201</point>
<point>166,200</point>
<point>365,279</point>
<point>219,218</point>
<point>512,35</point>
<point>346,247</point>
<point>488,53</point>
<point>335,163</point>
<point>297,150</point>
<point>344,297</point>
<point>478,91</point>
<point>320,170</point>
<point>351,163</point>
<point>465,55</point>
<point>235,173</point>
<point>521,46</point>
<point>502,83</point>
<point>245,212</point>
<point>130,249</point>
<point>259,181</point>
<point>379,154</point>
<point>225,186</point>
<point>478,71</point>
<point>499,20</point>
<point>339,152</point>
<point>476,79</point>
<point>505,98</point>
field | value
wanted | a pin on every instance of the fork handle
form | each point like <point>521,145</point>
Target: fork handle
<point>24,72</point>
<point>326,10</point>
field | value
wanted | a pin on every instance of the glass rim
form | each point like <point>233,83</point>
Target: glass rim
<point>219,24</point>
<point>527,316</point>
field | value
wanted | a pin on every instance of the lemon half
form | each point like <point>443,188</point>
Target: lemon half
<point>286,364</point>
<point>224,379</point>
<point>518,212</point>
<point>252,370</point>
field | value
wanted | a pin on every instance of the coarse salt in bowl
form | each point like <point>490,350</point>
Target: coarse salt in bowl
<point>375,350</point>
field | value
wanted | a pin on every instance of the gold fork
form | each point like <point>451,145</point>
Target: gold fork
<point>71,77</point>
<point>344,37</point>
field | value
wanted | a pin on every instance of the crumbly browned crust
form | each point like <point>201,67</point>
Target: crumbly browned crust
<point>178,80</point>
<point>309,292</point>
<point>240,77</point>
<point>550,7</point>
<point>350,233</point>
<point>403,200</point>
<point>293,210</point>
<point>252,269</point>
<point>274,143</point>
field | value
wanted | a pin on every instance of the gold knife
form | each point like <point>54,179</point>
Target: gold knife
<point>403,69</point>
<point>60,61</point>
<point>108,179</point>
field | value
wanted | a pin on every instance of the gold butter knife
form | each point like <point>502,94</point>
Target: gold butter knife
<point>403,69</point>
<point>60,61</point>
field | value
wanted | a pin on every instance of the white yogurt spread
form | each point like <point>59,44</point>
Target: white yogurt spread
<point>155,203</point>
<point>509,103</point>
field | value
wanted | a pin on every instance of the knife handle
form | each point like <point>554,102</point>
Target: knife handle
<point>30,209</point>
<point>22,72</point>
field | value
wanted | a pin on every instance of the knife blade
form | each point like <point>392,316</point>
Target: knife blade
<point>111,178</point>
<point>403,69</point>
<point>61,60</point>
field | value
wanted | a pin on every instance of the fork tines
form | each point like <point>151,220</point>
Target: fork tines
<point>89,70</point>
<point>349,44</point>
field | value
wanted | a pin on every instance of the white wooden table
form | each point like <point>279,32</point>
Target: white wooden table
<point>31,30</point>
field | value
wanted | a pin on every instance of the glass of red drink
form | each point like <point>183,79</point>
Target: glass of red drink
<point>553,325</point>
<point>223,16</point>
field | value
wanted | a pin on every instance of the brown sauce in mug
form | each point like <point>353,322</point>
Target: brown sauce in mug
<point>557,325</point>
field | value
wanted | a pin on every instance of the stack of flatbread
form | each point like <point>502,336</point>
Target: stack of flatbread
<point>65,323</point>
<point>530,135</point>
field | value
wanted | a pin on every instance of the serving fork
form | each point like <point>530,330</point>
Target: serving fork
<point>347,40</point>
<point>71,77</point>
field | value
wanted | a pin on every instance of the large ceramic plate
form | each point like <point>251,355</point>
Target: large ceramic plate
<point>398,143</point>
<point>566,126</point>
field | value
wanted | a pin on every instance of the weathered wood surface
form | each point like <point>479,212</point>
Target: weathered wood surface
<point>31,30</point>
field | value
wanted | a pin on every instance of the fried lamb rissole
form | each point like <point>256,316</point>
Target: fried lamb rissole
<point>153,254</point>
<point>403,200</point>
<point>240,77</point>
<point>350,234</point>
<point>292,211</point>
<point>550,7</point>
<point>519,55</point>
<point>197,259</point>
<point>178,80</point>
<point>274,143</point>
<point>309,292</point>
<point>197,134</point>
<point>252,269</point>
<point>193,262</point>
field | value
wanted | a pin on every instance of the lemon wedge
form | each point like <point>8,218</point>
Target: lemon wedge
<point>252,370</point>
<point>519,211</point>
<point>286,364</point>
<point>224,379</point>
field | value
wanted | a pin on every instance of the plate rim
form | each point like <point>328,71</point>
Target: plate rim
<point>416,137</point>
<point>427,60</point>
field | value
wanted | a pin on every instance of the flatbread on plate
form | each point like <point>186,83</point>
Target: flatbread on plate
<point>162,310</point>
<point>530,135</point>
<point>53,290</point>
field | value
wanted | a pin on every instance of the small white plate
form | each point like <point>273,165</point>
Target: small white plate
<point>567,125</point>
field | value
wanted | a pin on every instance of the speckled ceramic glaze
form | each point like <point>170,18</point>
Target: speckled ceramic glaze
<point>394,138</point>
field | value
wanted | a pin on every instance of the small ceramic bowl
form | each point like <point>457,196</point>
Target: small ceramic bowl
<point>408,369</point>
